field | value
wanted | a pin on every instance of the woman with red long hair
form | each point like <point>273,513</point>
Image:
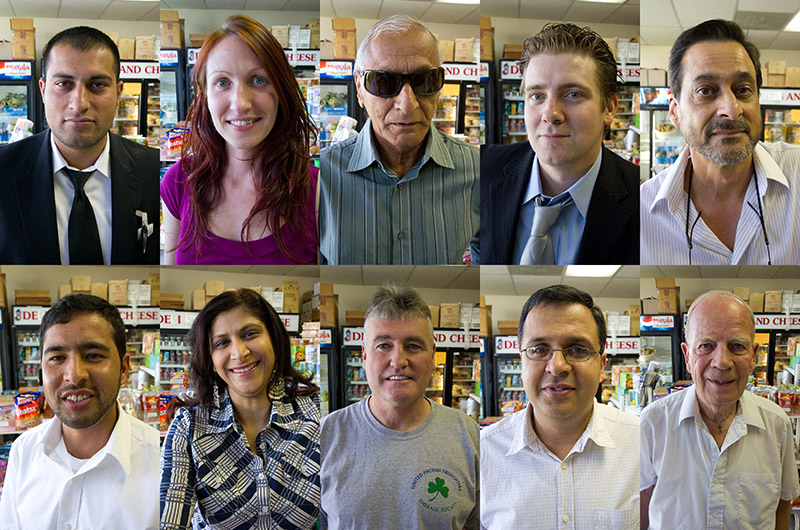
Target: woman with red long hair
<point>243,191</point>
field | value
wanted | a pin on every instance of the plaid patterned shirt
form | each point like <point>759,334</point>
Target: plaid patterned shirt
<point>210,476</point>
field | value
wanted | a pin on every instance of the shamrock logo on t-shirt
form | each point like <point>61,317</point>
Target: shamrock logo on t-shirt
<point>437,486</point>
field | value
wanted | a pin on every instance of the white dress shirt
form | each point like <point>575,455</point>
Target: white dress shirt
<point>525,486</point>
<point>117,488</point>
<point>663,215</point>
<point>98,190</point>
<point>700,486</point>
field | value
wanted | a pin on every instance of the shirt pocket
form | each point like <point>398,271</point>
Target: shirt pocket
<point>757,499</point>
<point>615,519</point>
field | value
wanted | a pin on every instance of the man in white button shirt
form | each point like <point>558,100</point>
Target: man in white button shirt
<point>728,199</point>
<point>78,194</point>
<point>713,455</point>
<point>566,461</point>
<point>93,466</point>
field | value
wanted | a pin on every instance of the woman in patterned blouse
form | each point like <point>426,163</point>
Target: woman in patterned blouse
<point>245,452</point>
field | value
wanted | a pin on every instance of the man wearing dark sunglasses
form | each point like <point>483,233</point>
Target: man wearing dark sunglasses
<point>728,199</point>
<point>400,192</point>
<point>565,458</point>
<point>561,198</point>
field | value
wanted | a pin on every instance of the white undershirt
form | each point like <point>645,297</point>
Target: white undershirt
<point>73,463</point>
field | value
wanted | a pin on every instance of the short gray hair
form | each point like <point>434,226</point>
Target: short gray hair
<point>396,302</point>
<point>394,24</point>
<point>709,294</point>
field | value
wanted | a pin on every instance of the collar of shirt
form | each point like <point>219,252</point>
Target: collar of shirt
<point>526,437</point>
<point>221,419</point>
<point>118,446</point>
<point>101,165</point>
<point>767,172</point>
<point>366,153</point>
<point>581,191</point>
<point>746,414</point>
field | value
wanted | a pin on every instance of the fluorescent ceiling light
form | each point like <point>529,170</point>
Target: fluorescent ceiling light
<point>605,1</point>
<point>468,2</point>
<point>591,271</point>
<point>794,24</point>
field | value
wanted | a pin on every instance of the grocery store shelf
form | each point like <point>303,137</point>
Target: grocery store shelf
<point>148,371</point>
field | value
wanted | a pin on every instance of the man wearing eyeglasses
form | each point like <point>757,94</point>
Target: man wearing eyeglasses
<point>561,198</point>
<point>400,192</point>
<point>714,455</point>
<point>565,460</point>
<point>728,199</point>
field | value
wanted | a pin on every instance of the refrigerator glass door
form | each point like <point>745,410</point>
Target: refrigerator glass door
<point>126,120</point>
<point>474,113</point>
<point>466,377</point>
<point>447,109</point>
<point>332,106</point>
<point>658,348</point>
<point>13,104</point>
<point>509,383</point>
<point>513,113</point>
<point>169,99</point>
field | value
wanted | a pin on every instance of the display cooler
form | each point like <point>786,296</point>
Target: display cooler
<point>306,71</point>
<point>173,87</point>
<point>17,96</point>
<point>623,135</point>
<point>337,98</point>
<point>660,142</point>
<point>328,383</point>
<point>191,60</point>
<point>139,109</point>
<point>780,113</point>
<point>507,371</point>
<point>779,339</point>
<point>620,351</point>
<point>8,372</point>
<point>460,110</point>
<point>510,105</point>
<point>660,340</point>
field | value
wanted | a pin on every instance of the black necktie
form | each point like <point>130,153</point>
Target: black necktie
<point>84,238</point>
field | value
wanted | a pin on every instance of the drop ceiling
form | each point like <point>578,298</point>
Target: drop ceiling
<point>564,10</point>
<point>424,10</point>
<point>514,280</point>
<point>85,9</point>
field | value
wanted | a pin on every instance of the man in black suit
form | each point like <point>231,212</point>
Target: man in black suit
<point>78,194</point>
<point>561,197</point>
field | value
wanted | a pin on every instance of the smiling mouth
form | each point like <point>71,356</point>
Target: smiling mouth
<point>246,369</point>
<point>398,378</point>
<point>243,123</point>
<point>77,398</point>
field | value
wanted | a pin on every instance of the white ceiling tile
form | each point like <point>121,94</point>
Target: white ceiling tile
<point>650,271</point>
<point>378,274</point>
<point>620,288</point>
<point>341,274</point>
<point>501,285</point>
<point>305,271</point>
<point>326,8</point>
<point>408,7</point>
<point>448,13</point>
<point>692,12</point>
<point>226,4</point>
<point>500,8</point>
<point>472,18</point>
<point>628,271</point>
<point>527,285</point>
<point>786,40</point>
<point>772,6</point>
<point>626,14</point>
<point>356,8</point>
<point>35,8</point>
<point>789,271</point>
<point>280,5</point>
<point>540,270</point>
<point>183,4</point>
<point>588,12</point>
<point>763,39</point>
<point>434,276</point>
<point>87,9</point>
<point>470,278</point>
<point>129,11</point>
<point>682,271</point>
<point>494,270</point>
<point>659,35</point>
<point>552,10</point>
<point>758,271</point>
<point>658,13</point>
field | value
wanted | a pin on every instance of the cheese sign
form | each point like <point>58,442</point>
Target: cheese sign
<point>302,57</point>
<point>144,316</point>
<point>140,70</point>
<point>462,72</point>
<point>291,321</point>
<point>778,322</point>
<point>171,319</point>
<point>626,345</point>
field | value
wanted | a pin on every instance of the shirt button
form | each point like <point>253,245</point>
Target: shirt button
<point>715,515</point>
<point>563,465</point>
<point>565,518</point>
<point>400,186</point>
<point>401,235</point>
<point>67,526</point>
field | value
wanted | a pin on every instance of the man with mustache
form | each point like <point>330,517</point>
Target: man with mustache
<point>714,455</point>
<point>561,198</point>
<point>78,194</point>
<point>565,461</point>
<point>397,459</point>
<point>728,199</point>
<point>93,466</point>
<point>400,192</point>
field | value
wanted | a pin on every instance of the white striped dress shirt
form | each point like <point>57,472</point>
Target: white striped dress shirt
<point>663,215</point>
<point>369,216</point>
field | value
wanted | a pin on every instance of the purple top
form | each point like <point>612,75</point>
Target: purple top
<point>215,250</point>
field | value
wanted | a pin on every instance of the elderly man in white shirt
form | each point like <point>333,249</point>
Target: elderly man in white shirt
<point>93,466</point>
<point>729,199</point>
<point>715,456</point>
<point>566,461</point>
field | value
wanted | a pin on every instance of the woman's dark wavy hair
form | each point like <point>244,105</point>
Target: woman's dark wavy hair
<point>281,160</point>
<point>201,369</point>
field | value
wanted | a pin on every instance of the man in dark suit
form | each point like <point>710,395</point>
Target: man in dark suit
<point>561,197</point>
<point>78,194</point>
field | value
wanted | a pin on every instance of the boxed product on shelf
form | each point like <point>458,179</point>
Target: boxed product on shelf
<point>512,51</point>
<point>213,287</point>
<point>81,284</point>
<point>344,38</point>
<point>486,320</point>
<point>171,301</point>
<point>634,312</point>
<point>449,315</point>
<point>171,29</point>
<point>27,410</point>
<point>197,39</point>
<point>145,48</point>
<point>507,327</point>
<point>742,292</point>
<point>464,50</point>
<point>281,34</point>
<point>32,296</point>
<point>198,299</point>
<point>447,47</point>
<point>487,39</point>
<point>23,39</point>
<point>321,288</point>
<point>649,306</point>
<point>64,289</point>
<point>434,309</point>
<point>669,300</point>
<point>326,311</point>
<point>3,297</point>
<point>773,302</point>
<point>355,318</point>
<point>756,302</point>
<point>118,292</point>
<point>127,49</point>
<point>100,289</point>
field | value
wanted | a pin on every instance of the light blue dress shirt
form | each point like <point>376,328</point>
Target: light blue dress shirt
<point>567,231</point>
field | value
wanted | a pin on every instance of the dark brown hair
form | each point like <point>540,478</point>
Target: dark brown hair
<point>201,369</point>
<point>281,161</point>
<point>562,38</point>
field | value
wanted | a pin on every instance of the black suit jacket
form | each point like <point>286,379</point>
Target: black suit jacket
<point>611,235</point>
<point>28,230</point>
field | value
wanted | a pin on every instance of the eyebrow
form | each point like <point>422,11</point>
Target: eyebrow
<point>62,75</point>
<point>241,329</point>
<point>740,75</point>
<point>58,348</point>
<point>259,69</point>
<point>562,86</point>
<point>409,338</point>
<point>583,340</point>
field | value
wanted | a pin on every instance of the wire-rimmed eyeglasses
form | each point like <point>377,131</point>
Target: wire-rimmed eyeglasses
<point>573,354</point>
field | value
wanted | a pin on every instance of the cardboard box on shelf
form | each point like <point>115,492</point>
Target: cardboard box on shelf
<point>64,289</point>
<point>344,38</point>
<point>487,44</point>
<point>742,292</point>
<point>213,287</point>
<point>197,39</point>
<point>756,302</point>
<point>118,292</point>
<point>127,49</point>
<point>171,301</point>
<point>665,282</point>
<point>688,303</point>
<point>279,301</point>
<point>171,29</point>
<point>81,284</point>
<point>449,315</point>
<point>633,51</point>
<point>776,66</point>
<point>792,76</point>
<point>145,48</point>
<point>447,47</point>
<point>507,327</point>
<point>649,306</point>
<point>669,301</point>
<point>464,51</point>
<point>155,296</point>
<point>113,35</point>
<point>320,288</point>
<point>6,49</point>
<point>656,77</point>
<point>776,80</point>
<point>154,280</point>
<point>291,302</point>
<point>486,320</point>
<point>3,297</point>
<point>23,39</point>
<point>434,309</point>
<point>326,51</point>
<point>612,45</point>
<point>144,295</point>
<point>281,34</point>
<point>355,318</point>
<point>32,296</point>
<point>198,299</point>
<point>100,289</point>
<point>512,52</point>
<point>327,312</point>
<point>634,312</point>
<point>773,301</point>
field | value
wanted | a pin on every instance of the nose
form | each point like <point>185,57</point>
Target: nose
<point>557,365</point>
<point>75,370</point>
<point>79,98</point>
<point>552,112</point>
<point>398,358</point>
<point>239,349</point>
<point>729,105</point>
<point>722,358</point>
<point>241,98</point>
<point>406,100</point>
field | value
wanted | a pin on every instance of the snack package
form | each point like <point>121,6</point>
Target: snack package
<point>27,410</point>
<point>163,402</point>
<point>7,421</point>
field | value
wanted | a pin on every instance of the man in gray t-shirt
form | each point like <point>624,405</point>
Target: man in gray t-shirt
<point>397,459</point>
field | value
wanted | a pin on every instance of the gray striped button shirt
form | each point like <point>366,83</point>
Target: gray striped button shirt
<point>370,216</point>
